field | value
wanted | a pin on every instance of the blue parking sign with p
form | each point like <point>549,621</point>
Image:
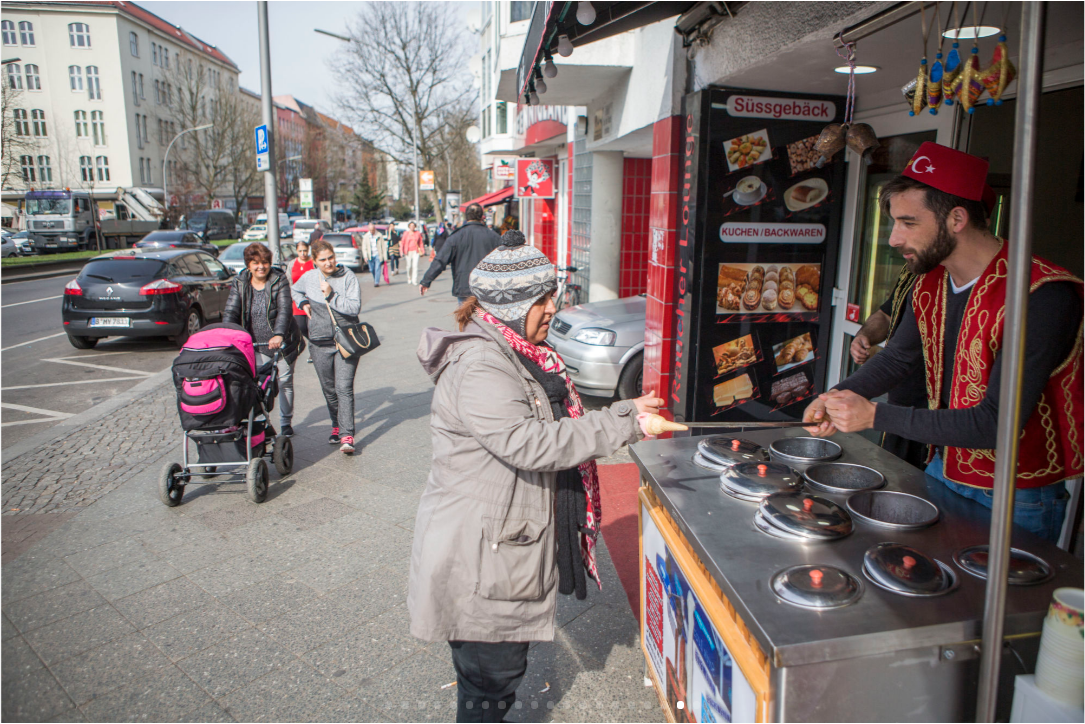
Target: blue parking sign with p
<point>261,139</point>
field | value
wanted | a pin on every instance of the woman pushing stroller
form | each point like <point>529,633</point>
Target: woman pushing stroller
<point>260,302</point>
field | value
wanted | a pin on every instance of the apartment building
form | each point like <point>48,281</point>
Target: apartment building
<point>95,92</point>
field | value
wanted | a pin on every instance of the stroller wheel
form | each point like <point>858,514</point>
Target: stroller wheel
<point>169,489</point>
<point>283,455</point>
<point>256,479</point>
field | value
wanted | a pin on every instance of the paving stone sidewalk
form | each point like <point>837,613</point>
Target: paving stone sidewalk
<point>293,610</point>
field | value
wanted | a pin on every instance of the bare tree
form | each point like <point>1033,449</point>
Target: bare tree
<point>239,119</point>
<point>15,142</point>
<point>404,81</point>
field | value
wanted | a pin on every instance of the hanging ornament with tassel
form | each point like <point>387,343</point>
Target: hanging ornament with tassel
<point>951,73</point>
<point>859,137</point>
<point>922,79</point>
<point>934,80</point>
<point>972,77</point>
<point>1001,71</point>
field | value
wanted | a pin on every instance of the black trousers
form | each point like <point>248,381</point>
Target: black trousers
<point>303,324</point>
<point>487,676</point>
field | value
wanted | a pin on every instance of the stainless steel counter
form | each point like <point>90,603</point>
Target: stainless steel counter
<point>742,560</point>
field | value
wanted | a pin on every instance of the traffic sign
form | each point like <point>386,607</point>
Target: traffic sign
<point>305,184</point>
<point>306,199</point>
<point>425,180</point>
<point>263,149</point>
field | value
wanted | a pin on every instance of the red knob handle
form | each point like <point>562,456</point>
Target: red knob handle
<point>735,444</point>
<point>807,504</point>
<point>762,470</point>
<point>909,563</point>
<point>815,578</point>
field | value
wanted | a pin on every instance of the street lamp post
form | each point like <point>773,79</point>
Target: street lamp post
<point>165,160</point>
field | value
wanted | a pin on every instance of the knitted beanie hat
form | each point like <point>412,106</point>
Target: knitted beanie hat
<point>511,278</point>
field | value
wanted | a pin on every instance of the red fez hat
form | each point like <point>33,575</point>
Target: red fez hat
<point>952,171</point>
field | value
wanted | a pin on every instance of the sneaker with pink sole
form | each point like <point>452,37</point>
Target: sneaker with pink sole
<point>347,447</point>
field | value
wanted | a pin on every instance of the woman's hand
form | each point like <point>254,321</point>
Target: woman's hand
<point>305,308</point>
<point>325,288</point>
<point>649,404</point>
<point>275,342</point>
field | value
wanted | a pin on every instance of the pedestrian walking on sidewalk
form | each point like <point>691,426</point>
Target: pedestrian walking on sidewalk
<point>463,251</point>
<point>411,245</point>
<point>375,248</point>
<point>259,301</point>
<point>329,289</point>
<point>515,480</point>
<point>440,236</point>
<point>392,268</point>
<point>299,266</point>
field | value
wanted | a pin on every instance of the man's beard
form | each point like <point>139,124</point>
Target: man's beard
<point>927,259</point>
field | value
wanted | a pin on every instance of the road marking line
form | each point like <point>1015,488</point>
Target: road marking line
<point>39,339</point>
<point>73,382</point>
<point>32,301</point>
<point>32,422</point>
<point>35,410</point>
<point>61,361</point>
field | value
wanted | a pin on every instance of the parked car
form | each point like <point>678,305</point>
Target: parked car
<point>178,239</point>
<point>212,224</point>
<point>286,226</point>
<point>234,255</point>
<point>602,344</point>
<point>156,293</point>
<point>8,246</point>
<point>22,242</point>
<point>304,227</point>
<point>256,232</point>
<point>346,250</point>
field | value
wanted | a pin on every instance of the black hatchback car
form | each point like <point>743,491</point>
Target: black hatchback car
<point>175,239</point>
<point>161,293</point>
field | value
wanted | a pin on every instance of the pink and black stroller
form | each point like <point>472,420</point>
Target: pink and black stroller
<point>224,401</point>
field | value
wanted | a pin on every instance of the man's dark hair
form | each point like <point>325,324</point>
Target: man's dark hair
<point>473,213</point>
<point>257,252</point>
<point>939,202</point>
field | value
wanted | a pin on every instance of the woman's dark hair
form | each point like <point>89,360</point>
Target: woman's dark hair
<point>473,213</point>
<point>317,247</point>
<point>302,242</point>
<point>257,252</point>
<point>939,202</point>
<point>466,312</point>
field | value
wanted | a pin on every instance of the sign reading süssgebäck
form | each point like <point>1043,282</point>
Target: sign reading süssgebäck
<point>793,109</point>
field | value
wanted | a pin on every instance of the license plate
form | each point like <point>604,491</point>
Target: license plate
<point>110,322</point>
<point>50,246</point>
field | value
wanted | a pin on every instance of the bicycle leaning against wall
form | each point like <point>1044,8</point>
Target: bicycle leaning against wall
<point>567,295</point>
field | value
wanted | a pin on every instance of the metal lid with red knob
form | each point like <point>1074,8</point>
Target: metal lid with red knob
<point>907,571</point>
<point>754,481</point>
<point>816,586</point>
<point>805,515</point>
<point>728,451</point>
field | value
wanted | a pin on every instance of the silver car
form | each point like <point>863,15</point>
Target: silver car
<point>602,344</point>
<point>233,257</point>
<point>346,249</point>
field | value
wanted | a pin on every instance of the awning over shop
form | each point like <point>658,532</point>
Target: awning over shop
<point>491,199</point>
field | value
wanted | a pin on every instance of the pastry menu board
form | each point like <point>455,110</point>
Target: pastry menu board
<point>757,255</point>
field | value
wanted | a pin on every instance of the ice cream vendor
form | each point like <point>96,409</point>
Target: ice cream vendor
<point>952,329</point>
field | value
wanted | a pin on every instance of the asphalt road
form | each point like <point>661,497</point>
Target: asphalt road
<point>43,379</point>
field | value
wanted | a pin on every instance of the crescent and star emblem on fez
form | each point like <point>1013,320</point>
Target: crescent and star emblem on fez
<point>917,169</point>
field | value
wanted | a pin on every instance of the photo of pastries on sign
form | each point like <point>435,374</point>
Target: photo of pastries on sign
<point>802,156</point>
<point>794,351</point>
<point>753,288</point>
<point>790,389</point>
<point>729,393</point>
<point>805,194</point>
<point>734,355</point>
<point>747,150</point>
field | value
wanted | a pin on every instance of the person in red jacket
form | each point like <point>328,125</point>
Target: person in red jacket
<point>298,267</point>
<point>411,246</point>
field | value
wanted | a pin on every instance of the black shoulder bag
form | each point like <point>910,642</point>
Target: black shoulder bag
<point>354,339</point>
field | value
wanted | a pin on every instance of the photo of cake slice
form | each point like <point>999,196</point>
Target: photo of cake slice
<point>728,393</point>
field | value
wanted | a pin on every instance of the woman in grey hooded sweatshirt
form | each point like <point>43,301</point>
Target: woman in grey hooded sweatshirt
<point>329,285</point>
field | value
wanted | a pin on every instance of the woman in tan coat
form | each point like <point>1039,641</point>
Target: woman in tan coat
<point>511,508</point>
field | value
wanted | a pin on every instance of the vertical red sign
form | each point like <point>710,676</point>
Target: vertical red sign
<point>653,605</point>
<point>852,314</point>
<point>535,178</point>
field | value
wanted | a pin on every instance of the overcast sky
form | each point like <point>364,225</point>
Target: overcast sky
<point>298,55</point>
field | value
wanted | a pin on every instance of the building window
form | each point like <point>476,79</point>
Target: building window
<point>15,76</point>
<point>142,180</point>
<point>94,87</point>
<point>139,135</point>
<point>75,78</point>
<point>97,125</point>
<point>22,126</point>
<point>103,168</point>
<point>145,136</point>
<point>86,169</point>
<point>26,33</point>
<point>9,32</point>
<point>33,79</point>
<point>154,53</point>
<point>45,170</point>
<point>166,57</point>
<point>27,165</point>
<point>157,95</point>
<point>141,86</point>
<point>135,87</point>
<point>79,35</point>
<point>133,44</point>
<point>520,11</point>
<point>169,94</point>
<point>82,130</point>
<point>502,117</point>
<point>38,116</point>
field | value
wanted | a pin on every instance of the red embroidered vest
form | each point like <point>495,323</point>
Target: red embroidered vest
<point>1050,448</point>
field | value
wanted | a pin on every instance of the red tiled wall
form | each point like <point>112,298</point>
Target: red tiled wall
<point>636,198</point>
<point>545,231</point>
<point>569,208</point>
<point>662,223</point>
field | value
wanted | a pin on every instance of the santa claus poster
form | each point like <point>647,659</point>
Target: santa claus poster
<point>535,178</point>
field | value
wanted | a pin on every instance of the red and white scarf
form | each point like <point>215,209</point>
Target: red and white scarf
<point>550,361</point>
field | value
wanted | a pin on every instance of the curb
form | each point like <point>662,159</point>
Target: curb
<point>40,275</point>
<point>81,420</point>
